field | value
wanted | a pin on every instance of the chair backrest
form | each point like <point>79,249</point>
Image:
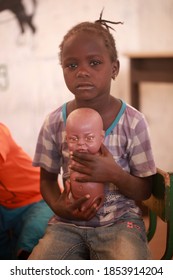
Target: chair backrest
<point>160,204</point>
<point>161,199</point>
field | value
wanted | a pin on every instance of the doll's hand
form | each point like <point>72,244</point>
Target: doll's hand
<point>94,168</point>
<point>70,210</point>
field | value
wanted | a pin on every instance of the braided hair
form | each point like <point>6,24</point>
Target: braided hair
<point>99,27</point>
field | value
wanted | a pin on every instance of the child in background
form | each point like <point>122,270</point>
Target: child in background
<point>23,212</point>
<point>84,131</point>
<point>89,62</point>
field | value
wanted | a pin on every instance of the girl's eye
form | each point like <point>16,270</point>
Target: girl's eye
<point>95,62</point>
<point>72,65</point>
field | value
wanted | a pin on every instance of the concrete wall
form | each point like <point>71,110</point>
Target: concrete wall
<point>31,81</point>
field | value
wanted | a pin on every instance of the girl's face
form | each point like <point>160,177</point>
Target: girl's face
<point>87,66</point>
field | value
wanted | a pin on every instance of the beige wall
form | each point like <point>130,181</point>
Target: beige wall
<point>34,81</point>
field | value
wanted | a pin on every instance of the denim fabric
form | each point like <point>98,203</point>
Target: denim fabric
<point>21,228</point>
<point>124,240</point>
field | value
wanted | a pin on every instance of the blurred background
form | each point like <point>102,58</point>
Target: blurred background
<point>31,80</point>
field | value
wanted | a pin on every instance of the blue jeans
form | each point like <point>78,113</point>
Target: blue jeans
<point>124,240</point>
<point>21,228</point>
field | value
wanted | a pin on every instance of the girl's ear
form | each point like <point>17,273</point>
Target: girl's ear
<point>115,69</point>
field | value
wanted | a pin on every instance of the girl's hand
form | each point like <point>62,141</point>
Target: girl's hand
<point>70,210</point>
<point>103,168</point>
<point>94,168</point>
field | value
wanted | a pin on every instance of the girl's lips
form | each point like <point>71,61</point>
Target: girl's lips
<point>85,86</point>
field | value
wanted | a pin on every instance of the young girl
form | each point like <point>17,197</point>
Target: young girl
<point>116,231</point>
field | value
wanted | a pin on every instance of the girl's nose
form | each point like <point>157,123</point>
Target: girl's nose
<point>82,72</point>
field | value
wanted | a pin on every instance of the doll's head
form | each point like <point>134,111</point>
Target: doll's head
<point>84,130</point>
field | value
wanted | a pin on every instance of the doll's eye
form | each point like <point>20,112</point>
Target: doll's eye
<point>90,138</point>
<point>73,139</point>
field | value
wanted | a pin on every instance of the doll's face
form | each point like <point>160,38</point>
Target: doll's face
<point>85,138</point>
<point>85,135</point>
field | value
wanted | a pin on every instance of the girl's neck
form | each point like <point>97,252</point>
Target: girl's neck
<point>100,106</point>
<point>108,109</point>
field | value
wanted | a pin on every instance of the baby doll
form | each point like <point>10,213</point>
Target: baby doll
<point>84,132</point>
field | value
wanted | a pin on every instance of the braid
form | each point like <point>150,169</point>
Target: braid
<point>101,28</point>
<point>104,22</point>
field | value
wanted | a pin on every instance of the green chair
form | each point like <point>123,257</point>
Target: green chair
<point>160,204</point>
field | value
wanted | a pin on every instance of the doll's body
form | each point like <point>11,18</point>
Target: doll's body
<point>85,134</point>
<point>94,189</point>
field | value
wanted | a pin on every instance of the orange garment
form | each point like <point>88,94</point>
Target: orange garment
<point>19,180</point>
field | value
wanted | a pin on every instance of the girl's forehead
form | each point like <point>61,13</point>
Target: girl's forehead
<point>83,41</point>
<point>85,35</point>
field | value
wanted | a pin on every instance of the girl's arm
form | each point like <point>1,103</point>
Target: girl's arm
<point>59,201</point>
<point>49,187</point>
